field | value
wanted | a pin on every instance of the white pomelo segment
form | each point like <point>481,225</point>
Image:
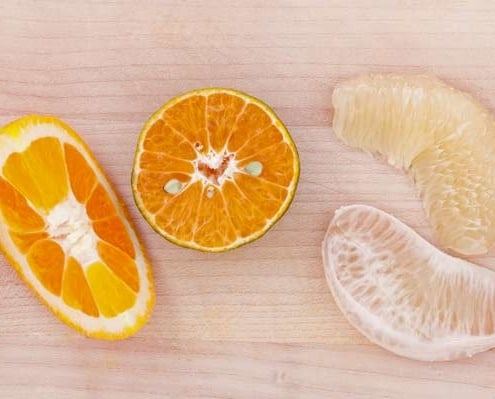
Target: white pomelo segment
<point>404,294</point>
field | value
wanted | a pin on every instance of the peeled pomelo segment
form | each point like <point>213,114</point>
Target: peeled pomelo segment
<point>458,194</point>
<point>38,173</point>
<point>393,116</point>
<point>403,293</point>
<point>443,137</point>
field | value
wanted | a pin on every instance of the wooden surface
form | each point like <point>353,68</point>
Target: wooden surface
<point>258,322</point>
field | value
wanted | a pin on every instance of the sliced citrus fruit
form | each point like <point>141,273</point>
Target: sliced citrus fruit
<point>443,137</point>
<point>214,169</point>
<point>402,292</point>
<point>65,232</point>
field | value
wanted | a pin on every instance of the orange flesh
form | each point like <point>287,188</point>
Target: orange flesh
<point>247,218</point>
<point>100,205</point>
<point>278,155</point>
<point>34,182</point>
<point>112,230</point>
<point>111,294</point>
<point>193,127</point>
<point>163,139</point>
<point>24,241</point>
<point>120,263</point>
<point>39,173</point>
<point>47,260</point>
<point>150,183</point>
<point>223,112</point>
<point>16,211</point>
<point>266,196</point>
<point>213,225</point>
<point>158,162</point>
<point>82,178</point>
<point>252,122</point>
<point>76,292</point>
<point>178,212</point>
<point>214,206</point>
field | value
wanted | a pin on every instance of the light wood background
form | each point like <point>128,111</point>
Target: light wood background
<point>258,322</point>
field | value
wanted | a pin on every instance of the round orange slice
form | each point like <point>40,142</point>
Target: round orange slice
<point>214,169</point>
<point>65,232</point>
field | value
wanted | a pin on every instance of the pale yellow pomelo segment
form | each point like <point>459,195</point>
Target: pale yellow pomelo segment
<point>392,116</point>
<point>443,137</point>
<point>458,194</point>
<point>403,293</point>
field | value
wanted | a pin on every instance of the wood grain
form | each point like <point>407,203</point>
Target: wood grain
<point>258,322</point>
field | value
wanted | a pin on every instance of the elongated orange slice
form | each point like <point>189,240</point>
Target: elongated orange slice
<point>214,169</point>
<point>65,232</point>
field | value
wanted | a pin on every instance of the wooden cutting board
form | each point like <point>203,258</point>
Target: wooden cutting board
<point>257,322</point>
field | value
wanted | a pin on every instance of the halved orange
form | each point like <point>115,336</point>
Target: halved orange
<point>66,233</point>
<point>214,169</point>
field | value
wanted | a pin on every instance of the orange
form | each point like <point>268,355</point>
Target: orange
<point>65,232</point>
<point>214,169</point>
<point>403,293</point>
<point>443,137</point>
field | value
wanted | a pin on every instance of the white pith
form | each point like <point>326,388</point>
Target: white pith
<point>214,160</point>
<point>58,223</point>
<point>69,225</point>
